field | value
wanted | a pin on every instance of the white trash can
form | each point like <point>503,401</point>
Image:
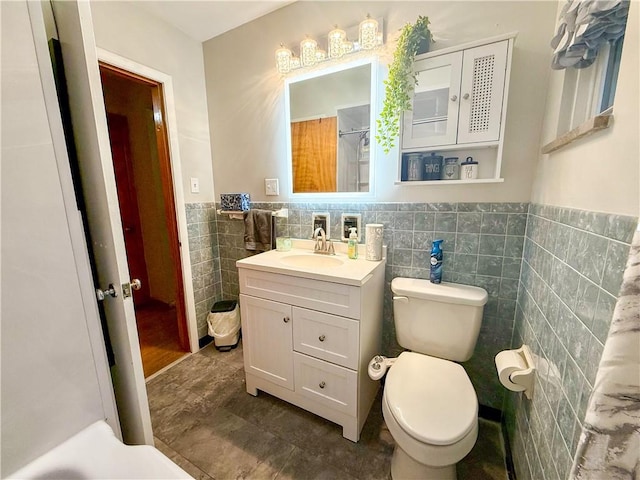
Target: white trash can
<point>224,324</point>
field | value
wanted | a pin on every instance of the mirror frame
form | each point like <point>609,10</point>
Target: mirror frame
<point>373,145</point>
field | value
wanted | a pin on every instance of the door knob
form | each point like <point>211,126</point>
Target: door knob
<point>285,319</point>
<point>108,292</point>
<point>466,96</point>
<point>454,98</point>
<point>321,338</point>
<point>136,284</point>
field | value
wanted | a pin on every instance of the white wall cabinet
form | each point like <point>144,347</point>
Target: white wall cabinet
<point>309,342</point>
<point>459,106</point>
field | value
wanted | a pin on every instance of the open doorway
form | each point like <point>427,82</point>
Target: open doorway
<point>142,167</point>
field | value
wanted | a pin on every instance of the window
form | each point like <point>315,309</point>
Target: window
<point>590,91</point>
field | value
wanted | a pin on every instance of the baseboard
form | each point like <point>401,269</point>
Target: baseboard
<point>508,458</point>
<point>495,415</point>
<point>490,413</point>
<point>204,341</point>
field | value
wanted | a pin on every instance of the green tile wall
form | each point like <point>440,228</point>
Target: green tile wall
<point>205,259</point>
<point>483,246</point>
<point>571,272</point>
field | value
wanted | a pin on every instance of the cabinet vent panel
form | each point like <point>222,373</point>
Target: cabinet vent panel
<point>481,93</point>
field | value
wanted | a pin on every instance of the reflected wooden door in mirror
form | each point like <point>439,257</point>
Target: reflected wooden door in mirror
<point>313,152</point>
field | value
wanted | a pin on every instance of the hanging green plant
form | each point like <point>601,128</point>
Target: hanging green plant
<point>402,80</point>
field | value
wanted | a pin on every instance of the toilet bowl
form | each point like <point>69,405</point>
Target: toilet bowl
<point>429,403</point>
<point>431,410</point>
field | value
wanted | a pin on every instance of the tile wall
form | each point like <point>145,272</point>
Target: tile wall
<point>205,259</point>
<point>571,272</point>
<point>483,245</point>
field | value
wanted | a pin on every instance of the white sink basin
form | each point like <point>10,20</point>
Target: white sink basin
<point>312,261</point>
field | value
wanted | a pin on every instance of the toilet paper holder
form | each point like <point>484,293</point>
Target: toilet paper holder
<point>521,375</point>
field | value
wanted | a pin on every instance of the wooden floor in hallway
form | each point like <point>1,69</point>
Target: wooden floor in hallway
<point>158,335</point>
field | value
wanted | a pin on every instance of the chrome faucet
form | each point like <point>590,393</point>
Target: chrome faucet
<point>323,245</point>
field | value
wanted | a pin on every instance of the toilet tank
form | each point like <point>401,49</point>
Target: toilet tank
<point>442,320</point>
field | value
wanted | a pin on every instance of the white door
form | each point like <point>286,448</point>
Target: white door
<point>267,340</point>
<point>482,93</point>
<point>433,118</point>
<point>75,31</point>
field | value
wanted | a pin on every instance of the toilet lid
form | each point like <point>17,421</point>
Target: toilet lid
<point>432,399</point>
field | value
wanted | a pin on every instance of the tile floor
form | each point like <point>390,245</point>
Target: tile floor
<point>204,420</point>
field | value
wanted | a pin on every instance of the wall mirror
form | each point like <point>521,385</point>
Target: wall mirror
<point>331,137</point>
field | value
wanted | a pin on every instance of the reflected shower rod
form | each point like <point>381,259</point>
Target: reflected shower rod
<point>351,132</point>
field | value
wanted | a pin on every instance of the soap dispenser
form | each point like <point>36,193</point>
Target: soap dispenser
<point>352,246</point>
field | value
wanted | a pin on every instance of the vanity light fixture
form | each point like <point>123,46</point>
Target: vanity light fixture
<point>348,47</point>
<point>368,33</point>
<point>283,59</point>
<point>336,37</point>
<point>308,49</point>
<point>321,55</point>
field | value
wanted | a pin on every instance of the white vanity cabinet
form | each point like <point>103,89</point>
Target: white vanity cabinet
<point>459,105</point>
<point>309,341</point>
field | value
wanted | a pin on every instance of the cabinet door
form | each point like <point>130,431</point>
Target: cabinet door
<point>482,92</point>
<point>267,340</point>
<point>433,119</point>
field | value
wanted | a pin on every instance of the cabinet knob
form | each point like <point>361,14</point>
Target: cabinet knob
<point>322,384</point>
<point>466,96</point>
<point>286,319</point>
<point>321,338</point>
<point>454,98</point>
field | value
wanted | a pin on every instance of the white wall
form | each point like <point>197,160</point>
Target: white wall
<point>50,386</point>
<point>245,93</point>
<point>600,172</point>
<point>127,30</point>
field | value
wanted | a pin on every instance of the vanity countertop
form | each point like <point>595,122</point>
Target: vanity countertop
<point>300,261</point>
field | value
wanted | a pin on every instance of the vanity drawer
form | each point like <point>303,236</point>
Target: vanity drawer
<point>326,336</point>
<point>325,383</point>
<point>319,295</point>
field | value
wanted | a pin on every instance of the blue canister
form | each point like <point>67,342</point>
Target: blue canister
<point>432,167</point>
<point>414,166</point>
<point>451,169</point>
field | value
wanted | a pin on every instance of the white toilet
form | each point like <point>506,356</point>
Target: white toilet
<point>429,404</point>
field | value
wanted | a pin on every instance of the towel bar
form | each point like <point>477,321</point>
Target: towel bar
<point>239,215</point>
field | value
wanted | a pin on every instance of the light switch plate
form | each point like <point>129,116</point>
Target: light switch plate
<point>321,220</point>
<point>195,185</point>
<point>349,220</point>
<point>271,186</point>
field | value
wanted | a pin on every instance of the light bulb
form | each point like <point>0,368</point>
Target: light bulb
<point>308,52</point>
<point>283,59</point>
<point>368,33</point>
<point>336,38</point>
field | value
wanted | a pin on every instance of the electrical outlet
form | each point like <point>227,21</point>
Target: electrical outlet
<point>195,185</point>
<point>271,186</point>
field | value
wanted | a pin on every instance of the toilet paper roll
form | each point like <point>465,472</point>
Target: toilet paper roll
<point>507,362</point>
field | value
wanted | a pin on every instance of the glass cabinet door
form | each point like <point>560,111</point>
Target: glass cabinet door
<point>433,119</point>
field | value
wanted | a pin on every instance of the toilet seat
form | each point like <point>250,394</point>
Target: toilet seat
<point>431,399</point>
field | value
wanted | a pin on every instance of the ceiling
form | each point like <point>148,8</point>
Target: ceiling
<point>202,20</point>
